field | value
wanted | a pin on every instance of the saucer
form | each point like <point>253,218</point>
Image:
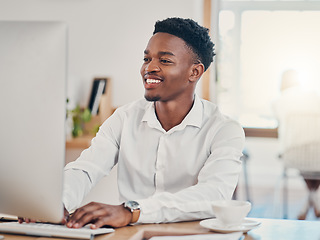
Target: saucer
<point>214,225</point>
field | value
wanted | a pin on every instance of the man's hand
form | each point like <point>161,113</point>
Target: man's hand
<point>28,220</point>
<point>100,214</point>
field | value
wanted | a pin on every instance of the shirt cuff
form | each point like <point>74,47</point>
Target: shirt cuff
<point>148,211</point>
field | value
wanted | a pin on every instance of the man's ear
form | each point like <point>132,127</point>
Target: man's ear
<point>196,72</point>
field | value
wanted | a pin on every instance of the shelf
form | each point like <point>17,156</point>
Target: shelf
<point>261,132</point>
<point>79,142</point>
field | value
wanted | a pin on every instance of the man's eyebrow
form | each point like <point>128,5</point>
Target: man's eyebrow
<point>166,53</point>
<point>161,53</point>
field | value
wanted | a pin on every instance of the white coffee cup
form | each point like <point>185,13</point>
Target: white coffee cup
<point>231,212</point>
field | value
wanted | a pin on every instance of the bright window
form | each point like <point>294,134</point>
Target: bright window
<point>255,48</point>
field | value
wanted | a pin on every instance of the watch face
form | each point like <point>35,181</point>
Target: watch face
<point>133,205</point>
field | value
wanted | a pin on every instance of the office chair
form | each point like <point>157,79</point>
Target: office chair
<point>244,159</point>
<point>301,151</point>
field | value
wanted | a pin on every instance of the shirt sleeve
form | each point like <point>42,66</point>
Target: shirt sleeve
<point>93,164</point>
<point>76,185</point>
<point>216,181</point>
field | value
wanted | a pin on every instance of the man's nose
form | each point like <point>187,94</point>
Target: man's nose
<point>152,66</point>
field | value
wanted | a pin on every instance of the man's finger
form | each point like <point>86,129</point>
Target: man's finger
<point>66,216</point>
<point>90,217</point>
<point>82,215</point>
<point>100,214</point>
<point>102,222</point>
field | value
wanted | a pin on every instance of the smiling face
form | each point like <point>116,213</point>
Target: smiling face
<point>167,69</point>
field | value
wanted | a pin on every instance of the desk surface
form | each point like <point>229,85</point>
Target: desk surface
<point>269,229</point>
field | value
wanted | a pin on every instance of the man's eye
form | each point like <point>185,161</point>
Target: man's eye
<point>146,59</point>
<point>165,61</point>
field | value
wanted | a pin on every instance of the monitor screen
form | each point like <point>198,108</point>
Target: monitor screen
<point>33,71</point>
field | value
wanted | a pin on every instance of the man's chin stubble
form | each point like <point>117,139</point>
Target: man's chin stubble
<point>152,99</point>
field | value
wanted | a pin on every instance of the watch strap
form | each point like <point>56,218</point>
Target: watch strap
<point>135,216</point>
<point>134,208</point>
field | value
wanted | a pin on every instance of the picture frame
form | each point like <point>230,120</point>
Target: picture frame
<point>99,86</point>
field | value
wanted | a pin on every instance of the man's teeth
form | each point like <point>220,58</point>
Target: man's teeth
<point>153,81</point>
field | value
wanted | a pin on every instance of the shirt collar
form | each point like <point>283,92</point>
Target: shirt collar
<point>150,117</point>
<point>193,118</point>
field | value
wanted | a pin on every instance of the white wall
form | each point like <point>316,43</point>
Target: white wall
<point>106,37</point>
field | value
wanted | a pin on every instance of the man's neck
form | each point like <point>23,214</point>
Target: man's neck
<point>172,113</point>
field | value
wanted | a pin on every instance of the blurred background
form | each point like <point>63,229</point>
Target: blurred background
<point>256,42</point>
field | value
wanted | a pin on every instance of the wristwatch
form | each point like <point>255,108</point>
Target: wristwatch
<point>133,207</point>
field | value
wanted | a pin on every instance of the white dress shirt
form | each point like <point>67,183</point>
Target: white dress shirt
<point>175,174</point>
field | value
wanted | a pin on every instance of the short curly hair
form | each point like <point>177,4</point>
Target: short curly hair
<point>196,37</point>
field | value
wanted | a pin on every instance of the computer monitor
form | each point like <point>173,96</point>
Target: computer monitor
<point>33,60</point>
